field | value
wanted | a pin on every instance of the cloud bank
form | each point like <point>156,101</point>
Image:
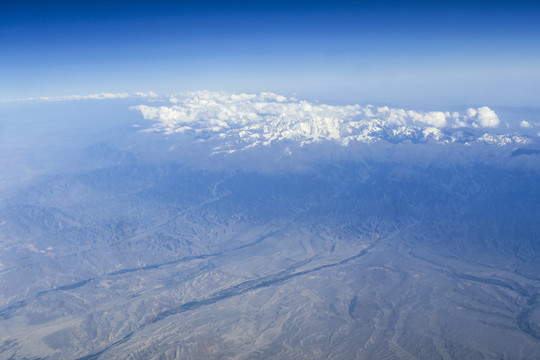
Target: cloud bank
<point>247,120</point>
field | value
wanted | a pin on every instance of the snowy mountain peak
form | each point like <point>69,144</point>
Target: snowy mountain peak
<point>247,120</point>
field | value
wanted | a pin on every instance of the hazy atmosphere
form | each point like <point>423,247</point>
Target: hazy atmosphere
<point>269,180</point>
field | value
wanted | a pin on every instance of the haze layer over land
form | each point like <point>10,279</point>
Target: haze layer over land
<point>206,225</point>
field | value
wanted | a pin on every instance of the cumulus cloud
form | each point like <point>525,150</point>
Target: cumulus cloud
<point>481,117</point>
<point>525,124</point>
<point>259,119</point>
<point>487,117</point>
<point>434,118</point>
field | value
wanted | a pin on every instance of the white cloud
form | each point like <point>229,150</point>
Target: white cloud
<point>482,117</point>
<point>434,118</point>
<point>487,117</point>
<point>247,120</point>
<point>210,111</point>
<point>525,124</point>
<point>471,113</point>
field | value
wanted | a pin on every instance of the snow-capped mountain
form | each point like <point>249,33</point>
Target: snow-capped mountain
<point>242,121</point>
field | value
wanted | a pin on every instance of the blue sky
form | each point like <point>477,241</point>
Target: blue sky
<point>404,53</point>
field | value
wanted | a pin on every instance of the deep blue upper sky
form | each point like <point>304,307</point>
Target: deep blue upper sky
<point>404,53</point>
